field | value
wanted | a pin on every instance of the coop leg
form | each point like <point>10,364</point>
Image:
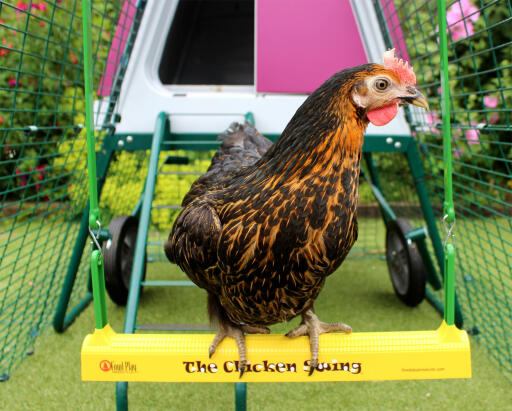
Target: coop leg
<point>122,396</point>
<point>240,396</point>
<point>60,320</point>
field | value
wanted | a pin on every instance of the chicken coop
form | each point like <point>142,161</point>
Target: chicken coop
<point>169,76</point>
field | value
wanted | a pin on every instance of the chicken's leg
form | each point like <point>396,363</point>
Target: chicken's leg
<point>237,333</point>
<point>313,327</point>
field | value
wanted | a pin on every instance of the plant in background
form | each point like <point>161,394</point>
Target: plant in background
<point>479,41</point>
<point>41,86</point>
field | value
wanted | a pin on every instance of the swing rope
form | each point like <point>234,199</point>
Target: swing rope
<point>97,274</point>
<point>448,206</point>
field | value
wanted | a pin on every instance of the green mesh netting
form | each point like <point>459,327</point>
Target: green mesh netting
<point>480,67</point>
<point>43,181</point>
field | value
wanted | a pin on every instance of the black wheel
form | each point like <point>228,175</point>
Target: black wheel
<point>118,254</point>
<point>405,265</point>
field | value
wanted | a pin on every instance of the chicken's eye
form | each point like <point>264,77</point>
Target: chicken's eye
<point>381,84</point>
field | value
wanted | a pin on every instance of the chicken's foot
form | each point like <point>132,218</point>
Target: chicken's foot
<point>237,333</point>
<point>313,327</point>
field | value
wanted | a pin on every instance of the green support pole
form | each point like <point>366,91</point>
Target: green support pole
<point>122,396</point>
<point>94,211</point>
<point>62,320</point>
<point>162,129</point>
<point>241,387</point>
<point>98,285</point>
<point>448,206</point>
<point>240,396</point>
<point>98,278</point>
<point>449,287</point>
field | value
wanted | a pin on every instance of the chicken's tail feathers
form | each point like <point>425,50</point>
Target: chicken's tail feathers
<point>244,136</point>
<point>242,146</point>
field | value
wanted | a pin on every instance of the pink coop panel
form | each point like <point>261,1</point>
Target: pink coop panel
<point>301,43</point>
<point>388,7</point>
<point>115,53</point>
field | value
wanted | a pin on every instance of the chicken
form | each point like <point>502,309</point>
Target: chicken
<point>265,226</point>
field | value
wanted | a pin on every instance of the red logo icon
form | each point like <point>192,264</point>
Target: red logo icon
<point>105,365</point>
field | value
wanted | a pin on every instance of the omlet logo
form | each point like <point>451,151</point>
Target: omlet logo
<point>105,365</point>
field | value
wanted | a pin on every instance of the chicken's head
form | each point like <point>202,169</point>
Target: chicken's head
<point>380,91</point>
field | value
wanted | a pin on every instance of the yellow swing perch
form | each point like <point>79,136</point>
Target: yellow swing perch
<point>108,356</point>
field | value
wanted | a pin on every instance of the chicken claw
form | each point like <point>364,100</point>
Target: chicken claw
<point>237,333</point>
<point>313,327</point>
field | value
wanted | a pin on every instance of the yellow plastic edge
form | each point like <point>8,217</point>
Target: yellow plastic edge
<point>438,354</point>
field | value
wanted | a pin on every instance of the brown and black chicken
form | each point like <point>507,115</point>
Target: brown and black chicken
<point>266,224</point>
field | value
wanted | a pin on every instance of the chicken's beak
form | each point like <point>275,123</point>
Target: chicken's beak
<point>420,101</point>
<point>416,98</point>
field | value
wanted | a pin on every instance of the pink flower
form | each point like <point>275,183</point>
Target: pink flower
<point>456,153</point>
<point>12,82</point>
<point>459,11</point>
<point>459,25</point>
<point>491,101</point>
<point>432,117</point>
<point>21,6</point>
<point>472,136</point>
<point>2,121</point>
<point>41,6</point>
<point>433,120</point>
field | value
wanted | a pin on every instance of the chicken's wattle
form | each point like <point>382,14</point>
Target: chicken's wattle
<point>382,115</point>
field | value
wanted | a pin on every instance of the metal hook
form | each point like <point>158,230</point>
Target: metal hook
<point>94,238</point>
<point>449,232</point>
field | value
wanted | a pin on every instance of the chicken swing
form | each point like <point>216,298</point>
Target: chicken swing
<point>109,356</point>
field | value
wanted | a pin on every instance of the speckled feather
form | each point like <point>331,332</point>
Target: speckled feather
<point>261,234</point>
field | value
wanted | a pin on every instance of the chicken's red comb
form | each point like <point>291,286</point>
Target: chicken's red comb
<point>401,68</point>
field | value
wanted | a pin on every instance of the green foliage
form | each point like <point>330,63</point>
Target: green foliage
<point>480,70</point>
<point>41,87</point>
<point>128,172</point>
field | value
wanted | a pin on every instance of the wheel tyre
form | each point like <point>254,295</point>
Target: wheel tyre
<point>118,254</point>
<point>405,264</point>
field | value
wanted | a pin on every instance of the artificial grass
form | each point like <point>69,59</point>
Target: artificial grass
<point>360,294</point>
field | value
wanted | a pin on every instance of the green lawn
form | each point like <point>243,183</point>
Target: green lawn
<point>360,294</point>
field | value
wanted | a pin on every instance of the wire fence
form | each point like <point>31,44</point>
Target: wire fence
<point>480,58</point>
<point>43,177</point>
